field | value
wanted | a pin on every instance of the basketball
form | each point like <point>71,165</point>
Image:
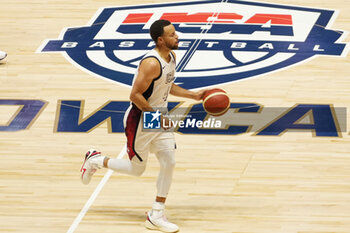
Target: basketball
<point>216,102</point>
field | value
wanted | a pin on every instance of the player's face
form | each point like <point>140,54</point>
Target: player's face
<point>171,39</point>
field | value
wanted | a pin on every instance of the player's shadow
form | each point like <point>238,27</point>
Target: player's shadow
<point>120,214</point>
<point>138,214</point>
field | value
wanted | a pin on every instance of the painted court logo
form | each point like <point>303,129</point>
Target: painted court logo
<point>220,41</point>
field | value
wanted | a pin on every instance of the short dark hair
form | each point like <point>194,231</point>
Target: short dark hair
<point>157,28</point>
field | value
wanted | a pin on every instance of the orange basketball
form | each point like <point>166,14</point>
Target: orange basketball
<point>216,102</point>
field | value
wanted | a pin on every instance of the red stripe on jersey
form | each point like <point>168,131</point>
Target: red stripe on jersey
<point>132,123</point>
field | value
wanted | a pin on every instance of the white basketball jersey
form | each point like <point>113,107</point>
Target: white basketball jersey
<point>158,91</point>
<point>139,143</point>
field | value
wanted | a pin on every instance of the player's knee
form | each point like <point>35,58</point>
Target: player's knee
<point>167,159</point>
<point>138,169</point>
<point>139,172</point>
<point>171,163</point>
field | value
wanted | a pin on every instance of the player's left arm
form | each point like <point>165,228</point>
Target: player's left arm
<point>182,92</point>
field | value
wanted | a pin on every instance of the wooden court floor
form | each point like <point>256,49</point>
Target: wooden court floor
<point>283,184</point>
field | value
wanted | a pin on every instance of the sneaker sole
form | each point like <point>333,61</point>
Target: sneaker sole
<point>3,57</point>
<point>151,226</point>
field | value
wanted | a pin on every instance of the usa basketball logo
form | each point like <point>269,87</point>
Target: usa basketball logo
<point>220,41</point>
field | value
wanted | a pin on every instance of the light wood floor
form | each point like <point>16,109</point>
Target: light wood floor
<point>292,183</point>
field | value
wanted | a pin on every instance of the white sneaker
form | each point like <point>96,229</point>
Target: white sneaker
<point>156,220</point>
<point>93,161</point>
<point>2,55</point>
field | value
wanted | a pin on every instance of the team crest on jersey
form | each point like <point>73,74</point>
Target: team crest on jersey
<point>221,41</point>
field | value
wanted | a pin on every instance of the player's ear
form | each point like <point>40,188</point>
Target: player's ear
<point>160,40</point>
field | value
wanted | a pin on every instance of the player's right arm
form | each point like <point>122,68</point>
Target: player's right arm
<point>149,69</point>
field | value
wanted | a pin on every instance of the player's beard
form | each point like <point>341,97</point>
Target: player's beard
<point>172,46</point>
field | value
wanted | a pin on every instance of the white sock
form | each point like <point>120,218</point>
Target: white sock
<point>157,209</point>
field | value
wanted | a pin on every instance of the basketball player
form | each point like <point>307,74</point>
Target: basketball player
<point>152,83</point>
<point>2,55</point>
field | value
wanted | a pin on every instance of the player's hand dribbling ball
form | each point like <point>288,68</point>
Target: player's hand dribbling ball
<point>216,102</point>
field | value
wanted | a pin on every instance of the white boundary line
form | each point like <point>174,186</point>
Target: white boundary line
<point>183,63</point>
<point>94,195</point>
